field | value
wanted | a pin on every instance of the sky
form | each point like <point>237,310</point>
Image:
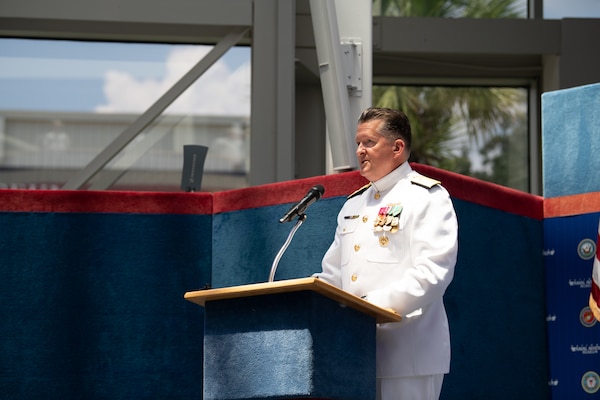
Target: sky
<point>69,76</point>
<point>118,77</point>
<point>557,9</point>
<point>224,89</point>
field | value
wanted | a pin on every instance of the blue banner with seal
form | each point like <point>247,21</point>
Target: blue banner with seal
<point>570,246</point>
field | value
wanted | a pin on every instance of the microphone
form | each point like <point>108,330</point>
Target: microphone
<point>313,195</point>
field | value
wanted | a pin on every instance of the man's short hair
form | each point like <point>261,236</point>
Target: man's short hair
<point>396,124</point>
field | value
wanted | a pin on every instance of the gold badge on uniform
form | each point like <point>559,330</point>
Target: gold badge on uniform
<point>383,240</point>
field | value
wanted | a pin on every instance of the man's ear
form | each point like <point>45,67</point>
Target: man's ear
<point>399,147</point>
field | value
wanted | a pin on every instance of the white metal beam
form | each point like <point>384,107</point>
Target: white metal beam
<point>343,36</point>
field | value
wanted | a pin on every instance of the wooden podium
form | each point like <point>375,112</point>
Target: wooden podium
<point>292,339</point>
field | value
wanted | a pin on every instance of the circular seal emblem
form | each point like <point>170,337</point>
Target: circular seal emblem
<point>586,317</point>
<point>586,249</point>
<point>590,382</point>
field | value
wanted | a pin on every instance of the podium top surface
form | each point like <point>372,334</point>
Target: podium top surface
<point>381,315</point>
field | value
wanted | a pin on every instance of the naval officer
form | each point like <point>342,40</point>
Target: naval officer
<point>396,246</point>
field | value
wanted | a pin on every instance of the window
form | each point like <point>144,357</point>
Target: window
<point>476,131</point>
<point>62,102</point>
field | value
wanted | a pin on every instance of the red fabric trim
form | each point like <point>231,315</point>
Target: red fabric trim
<point>576,204</point>
<point>271,194</point>
<point>105,202</point>
<point>342,184</point>
<point>486,193</point>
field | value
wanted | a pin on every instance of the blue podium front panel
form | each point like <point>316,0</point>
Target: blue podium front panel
<point>298,345</point>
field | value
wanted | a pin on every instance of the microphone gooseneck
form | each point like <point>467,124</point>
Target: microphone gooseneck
<point>313,195</point>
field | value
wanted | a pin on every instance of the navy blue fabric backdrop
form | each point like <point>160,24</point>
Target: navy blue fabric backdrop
<point>93,302</point>
<point>496,308</point>
<point>92,305</point>
<point>246,243</point>
<point>496,303</point>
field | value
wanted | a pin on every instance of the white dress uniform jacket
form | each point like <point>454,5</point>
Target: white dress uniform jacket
<point>408,270</point>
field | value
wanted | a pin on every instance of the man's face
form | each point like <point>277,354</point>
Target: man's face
<point>377,157</point>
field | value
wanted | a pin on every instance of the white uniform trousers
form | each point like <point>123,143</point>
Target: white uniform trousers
<point>426,387</point>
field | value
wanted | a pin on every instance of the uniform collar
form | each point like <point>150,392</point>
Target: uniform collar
<point>387,182</point>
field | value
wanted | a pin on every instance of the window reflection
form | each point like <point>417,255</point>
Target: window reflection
<point>62,102</point>
<point>476,131</point>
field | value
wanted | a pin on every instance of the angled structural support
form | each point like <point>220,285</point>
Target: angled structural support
<point>343,36</point>
<point>143,121</point>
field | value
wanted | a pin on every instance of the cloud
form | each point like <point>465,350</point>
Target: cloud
<point>557,9</point>
<point>221,90</point>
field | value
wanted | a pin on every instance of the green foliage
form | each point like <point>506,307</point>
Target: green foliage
<point>452,124</point>
<point>454,8</point>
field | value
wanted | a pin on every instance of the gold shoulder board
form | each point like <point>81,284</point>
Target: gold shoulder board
<point>359,191</point>
<point>424,181</point>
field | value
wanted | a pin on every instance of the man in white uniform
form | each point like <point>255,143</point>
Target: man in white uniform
<point>396,246</point>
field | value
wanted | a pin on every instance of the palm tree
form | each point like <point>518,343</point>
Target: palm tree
<point>452,8</point>
<point>439,114</point>
<point>504,156</point>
